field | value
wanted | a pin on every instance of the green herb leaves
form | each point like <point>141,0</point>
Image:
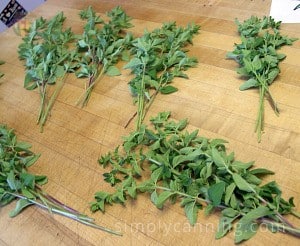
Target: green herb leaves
<point>248,224</point>
<point>159,57</point>
<point>45,49</point>
<point>215,193</point>
<point>199,173</point>
<point>16,183</point>
<point>259,60</point>
<point>50,51</point>
<point>15,157</point>
<point>101,46</point>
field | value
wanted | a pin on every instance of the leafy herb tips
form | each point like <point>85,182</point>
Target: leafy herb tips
<point>16,183</point>
<point>158,57</point>
<point>199,173</point>
<point>45,49</point>
<point>101,47</point>
<point>259,60</point>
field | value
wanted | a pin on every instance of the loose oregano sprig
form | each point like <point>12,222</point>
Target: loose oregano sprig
<point>47,55</point>
<point>158,57</point>
<point>101,46</point>
<point>16,183</point>
<point>259,60</point>
<point>198,173</point>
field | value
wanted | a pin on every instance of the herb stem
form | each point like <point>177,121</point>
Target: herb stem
<point>60,83</point>
<point>153,96</point>
<point>141,100</point>
<point>131,119</point>
<point>58,203</point>
<point>42,91</point>
<point>260,116</point>
<point>281,227</point>
<point>84,219</point>
<point>94,78</point>
<point>284,220</point>
<point>295,213</point>
<point>278,215</point>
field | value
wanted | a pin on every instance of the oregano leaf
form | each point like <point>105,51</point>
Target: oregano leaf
<point>162,198</point>
<point>215,193</point>
<point>169,89</point>
<point>241,183</point>
<point>20,205</point>
<point>133,63</point>
<point>191,212</point>
<point>247,227</point>
<point>228,193</point>
<point>225,225</point>
<point>217,158</point>
<point>250,83</point>
<point>113,71</point>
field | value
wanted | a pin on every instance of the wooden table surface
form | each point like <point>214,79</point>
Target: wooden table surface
<point>74,138</point>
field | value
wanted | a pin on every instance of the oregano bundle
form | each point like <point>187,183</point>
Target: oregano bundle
<point>101,46</point>
<point>259,60</point>
<point>159,56</point>
<point>16,183</point>
<point>197,172</point>
<point>48,57</point>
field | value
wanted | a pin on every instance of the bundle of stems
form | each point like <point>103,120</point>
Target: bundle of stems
<point>16,183</point>
<point>48,58</point>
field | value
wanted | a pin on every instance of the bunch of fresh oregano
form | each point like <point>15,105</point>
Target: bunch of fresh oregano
<point>198,173</point>
<point>101,46</point>
<point>47,55</point>
<point>16,183</point>
<point>158,57</point>
<point>259,60</point>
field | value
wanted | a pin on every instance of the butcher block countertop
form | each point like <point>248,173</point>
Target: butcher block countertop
<point>74,138</point>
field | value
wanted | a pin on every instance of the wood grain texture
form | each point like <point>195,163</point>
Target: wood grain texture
<point>74,138</point>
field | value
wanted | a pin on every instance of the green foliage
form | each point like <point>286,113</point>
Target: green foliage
<point>158,57</point>
<point>199,173</point>
<point>15,157</point>
<point>45,50</point>
<point>101,46</point>
<point>16,183</point>
<point>259,60</point>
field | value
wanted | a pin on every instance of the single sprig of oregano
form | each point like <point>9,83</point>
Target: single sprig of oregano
<point>158,57</point>
<point>101,46</point>
<point>48,57</point>
<point>16,183</point>
<point>259,60</point>
<point>197,172</point>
